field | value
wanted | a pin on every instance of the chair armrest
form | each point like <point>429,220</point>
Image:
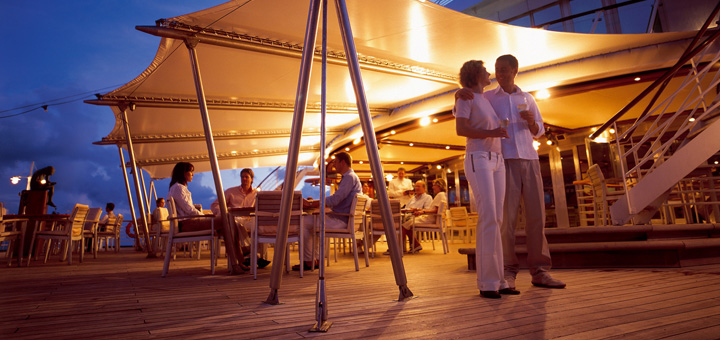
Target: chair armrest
<point>338,214</point>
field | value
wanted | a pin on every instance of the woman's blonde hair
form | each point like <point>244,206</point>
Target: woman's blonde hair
<point>469,73</point>
<point>441,183</point>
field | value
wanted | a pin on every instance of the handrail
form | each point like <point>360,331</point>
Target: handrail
<point>687,55</point>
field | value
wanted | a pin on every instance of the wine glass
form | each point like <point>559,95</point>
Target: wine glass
<point>523,104</point>
<point>504,123</point>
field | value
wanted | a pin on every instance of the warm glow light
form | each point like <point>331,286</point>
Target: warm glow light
<point>435,120</point>
<point>356,142</point>
<point>548,142</point>
<point>16,179</point>
<point>447,147</point>
<point>419,35</point>
<point>637,78</point>
<point>424,121</point>
<point>449,171</point>
<point>542,94</point>
<point>439,167</point>
<point>691,119</point>
<point>333,157</point>
<point>361,162</point>
<point>392,132</point>
<point>402,163</point>
<point>411,144</point>
<point>611,130</point>
<point>347,149</point>
<point>42,181</point>
<point>716,162</point>
<point>233,152</point>
<point>536,145</point>
<point>389,177</point>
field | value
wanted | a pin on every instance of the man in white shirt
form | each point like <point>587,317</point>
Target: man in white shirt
<point>416,206</point>
<point>400,187</point>
<point>523,177</point>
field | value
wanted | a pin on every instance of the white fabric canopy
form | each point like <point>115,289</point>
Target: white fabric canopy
<point>410,53</point>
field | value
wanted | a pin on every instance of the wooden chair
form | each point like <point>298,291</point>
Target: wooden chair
<point>460,221</point>
<point>267,213</point>
<point>110,233</point>
<point>177,236</point>
<point>90,231</point>
<point>356,221</point>
<point>376,224</point>
<point>67,230</point>
<point>160,228</point>
<point>437,226</point>
<point>12,231</point>
<point>602,197</point>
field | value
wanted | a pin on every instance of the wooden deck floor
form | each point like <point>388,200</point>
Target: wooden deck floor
<point>123,296</point>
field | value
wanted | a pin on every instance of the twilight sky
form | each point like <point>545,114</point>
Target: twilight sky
<point>59,53</point>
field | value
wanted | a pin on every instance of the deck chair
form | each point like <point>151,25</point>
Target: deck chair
<point>355,227</point>
<point>177,236</point>
<point>110,233</point>
<point>376,225</point>
<point>267,212</point>
<point>90,230</point>
<point>436,225</point>
<point>160,228</point>
<point>602,197</point>
<point>12,231</point>
<point>460,221</point>
<point>69,231</point>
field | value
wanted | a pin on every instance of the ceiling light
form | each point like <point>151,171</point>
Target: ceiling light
<point>691,119</point>
<point>439,167</point>
<point>637,78</point>
<point>435,120</point>
<point>424,121</point>
<point>347,149</point>
<point>392,132</point>
<point>447,147</point>
<point>611,130</point>
<point>542,94</point>
<point>356,142</point>
<point>411,144</point>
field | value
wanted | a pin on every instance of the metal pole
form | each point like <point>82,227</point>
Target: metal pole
<point>146,195</point>
<point>129,194</point>
<point>131,153</point>
<point>372,149</point>
<point>293,151</point>
<point>229,232</point>
<point>321,323</point>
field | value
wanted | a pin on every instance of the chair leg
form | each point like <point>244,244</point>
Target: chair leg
<point>168,253</point>
<point>355,251</point>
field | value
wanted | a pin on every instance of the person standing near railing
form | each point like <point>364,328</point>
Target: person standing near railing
<point>522,167</point>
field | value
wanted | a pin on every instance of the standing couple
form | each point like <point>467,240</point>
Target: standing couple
<point>502,168</point>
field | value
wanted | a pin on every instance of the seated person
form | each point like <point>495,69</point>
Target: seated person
<point>182,174</point>
<point>242,196</point>
<point>109,217</point>
<point>424,215</point>
<point>339,202</point>
<point>159,217</point>
<point>416,206</point>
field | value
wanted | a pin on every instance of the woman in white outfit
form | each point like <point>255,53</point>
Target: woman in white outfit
<point>485,171</point>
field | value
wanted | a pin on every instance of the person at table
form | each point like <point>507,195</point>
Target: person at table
<point>400,187</point>
<point>108,217</point>
<point>417,204</point>
<point>425,215</point>
<point>476,120</point>
<point>40,180</point>
<point>182,174</point>
<point>339,202</point>
<point>242,196</point>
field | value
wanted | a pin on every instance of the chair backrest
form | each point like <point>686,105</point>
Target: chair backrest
<point>160,219</point>
<point>458,216</point>
<point>439,218</point>
<point>118,224</point>
<point>358,213</point>
<point>376,215</point>
<point>76,220</point>
<point>92,218</point>
<point>172,214</point>
<point>597,179</point>
<point>267,211</point>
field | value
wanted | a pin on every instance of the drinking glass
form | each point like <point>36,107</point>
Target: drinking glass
<point>504,123</point>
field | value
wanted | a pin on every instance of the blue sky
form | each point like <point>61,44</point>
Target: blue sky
<point>59,53</point>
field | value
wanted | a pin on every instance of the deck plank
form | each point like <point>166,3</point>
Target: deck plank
<point>122,295</point>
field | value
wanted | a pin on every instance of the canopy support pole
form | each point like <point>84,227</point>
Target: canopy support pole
<point>236,265</point>
<point>146,197</point>
<point>131,153</point>
<point>321,310</point>
<point>129,194</point>
<point>293,151</point>
<point>372,150</point>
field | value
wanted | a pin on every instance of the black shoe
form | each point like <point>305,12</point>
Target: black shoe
<point>52,204</point>
<point>306,266</point>
<point>509,291</point>
<point>490,294</point>
<point>262,263</point>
